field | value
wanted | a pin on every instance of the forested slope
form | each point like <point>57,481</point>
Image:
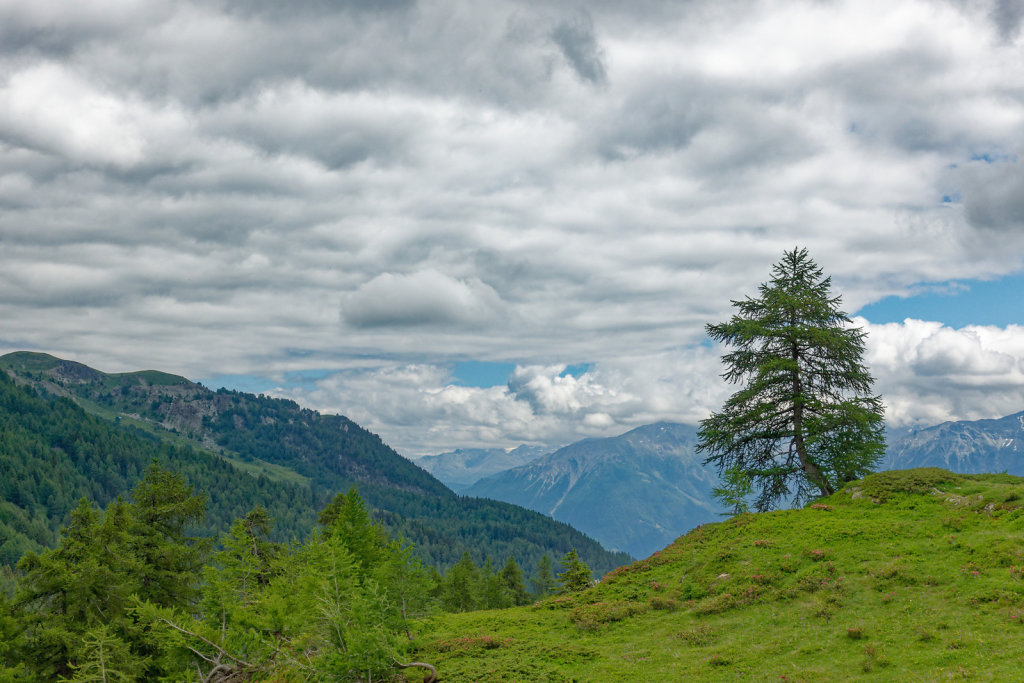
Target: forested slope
<point>52,454</point>
<point>300,456</point>
<point>129,595</point>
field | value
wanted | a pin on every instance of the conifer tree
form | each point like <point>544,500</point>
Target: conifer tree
<point>407,582</point>
<point>164,510</point>
<point>87,580</point>
<point>492,591</point>
<point>805,420</point>
<point>11,631</point>
<point>512,582</point>
<point>106,658</point>
<point>733,493</point>
<point>575,575</point>
<point>461,588</point>
<point>348,518</point>
<point>544,581</point>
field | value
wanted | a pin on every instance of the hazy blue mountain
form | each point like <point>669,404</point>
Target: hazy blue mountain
<point>463,467</point>
<point>971,447</point>
<point>635,492</point>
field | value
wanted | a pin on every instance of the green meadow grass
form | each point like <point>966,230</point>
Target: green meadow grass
<point>913,575</point>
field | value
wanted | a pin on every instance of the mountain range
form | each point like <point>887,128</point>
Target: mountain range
<point>638,491</point>
<point>966,447</point>
<point>68,431</point>
<point>463,467</point>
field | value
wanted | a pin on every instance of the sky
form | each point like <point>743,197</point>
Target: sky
<point>470,224</point>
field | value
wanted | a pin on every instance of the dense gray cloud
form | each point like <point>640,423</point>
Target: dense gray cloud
<point>378,190</point>
<point>575,38</point>
<point>1008,15</point>
<point>993,193</point>
<point>422,298</point>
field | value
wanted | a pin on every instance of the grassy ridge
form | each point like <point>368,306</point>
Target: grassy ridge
<point>909,575</point>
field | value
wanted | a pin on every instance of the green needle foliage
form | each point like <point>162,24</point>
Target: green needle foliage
<point>512,581</point>
<point>805,421</point>
<point>75,601</point>
<point>575,575</point>
<point>129,595</point>
<point>544,581</point>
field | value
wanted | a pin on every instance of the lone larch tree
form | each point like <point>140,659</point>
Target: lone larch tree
<point>806,420</point>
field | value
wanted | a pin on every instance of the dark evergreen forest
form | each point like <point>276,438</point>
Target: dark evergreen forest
<point>240,450</point>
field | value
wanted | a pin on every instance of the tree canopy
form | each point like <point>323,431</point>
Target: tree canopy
<point>805,420</point>
<point>575,575</point>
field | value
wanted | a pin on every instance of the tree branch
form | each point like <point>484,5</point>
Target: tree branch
<point>428,677</point>
<point>208,642</point>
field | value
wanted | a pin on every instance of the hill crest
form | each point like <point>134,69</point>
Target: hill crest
<point>904,575</point>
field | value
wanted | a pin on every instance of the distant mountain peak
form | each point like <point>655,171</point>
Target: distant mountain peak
<point>635,492</point>
<point>462,467</point>
<point>964,446</point>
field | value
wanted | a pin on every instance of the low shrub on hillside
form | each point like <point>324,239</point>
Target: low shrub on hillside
<point>663,602</point>
<point>882,485</point>
<point>597,614</point>
<point>702,634</point>
<point>470,643</point>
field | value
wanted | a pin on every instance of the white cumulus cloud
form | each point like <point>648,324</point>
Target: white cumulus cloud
<point>928,373</point>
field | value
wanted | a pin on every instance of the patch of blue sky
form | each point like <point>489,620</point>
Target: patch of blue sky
<point>956,303</point>
<point>253,384</point>
<point>992,158</point>
<point>306,379</point>
<point>478,373</point>
<point>576,370</point>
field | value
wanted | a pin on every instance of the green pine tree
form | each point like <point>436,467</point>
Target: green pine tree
<point>512,582</point>
<point>407,583</point>
<point>805,420</point>
<point>106,658</point>
<point>348,518</point>
<point>89,579</point>
<point>544,582</point>
<point>461,588</point>
<point>575,575</point>
<point>736,487</point>
<point>493,594</point>
<point>164,509</point>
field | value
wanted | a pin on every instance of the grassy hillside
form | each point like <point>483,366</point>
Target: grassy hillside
<point>914,575</point>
